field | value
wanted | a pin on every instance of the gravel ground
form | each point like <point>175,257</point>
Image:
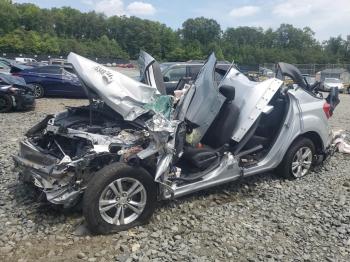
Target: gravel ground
<point>262,218</point>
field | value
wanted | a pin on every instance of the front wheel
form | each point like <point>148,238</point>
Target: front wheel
<point>6,103</point>
<point>119,197</point>
<point>298,160</point>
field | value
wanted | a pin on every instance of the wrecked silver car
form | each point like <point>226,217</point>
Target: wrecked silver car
<point>133,146</point>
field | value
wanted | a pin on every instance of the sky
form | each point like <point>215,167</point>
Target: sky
<point>326,18</point>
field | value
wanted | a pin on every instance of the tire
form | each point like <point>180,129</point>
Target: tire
<point>100,189</point>
<point>6,103</point>
<point>293,162</point>
<point>38,91</point>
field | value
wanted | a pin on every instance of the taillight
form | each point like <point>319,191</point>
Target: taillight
<point>327,110</point>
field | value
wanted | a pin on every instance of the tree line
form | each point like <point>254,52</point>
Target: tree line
<point>26,28</point>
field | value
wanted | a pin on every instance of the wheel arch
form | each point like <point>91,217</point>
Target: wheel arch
<point>315,138</point>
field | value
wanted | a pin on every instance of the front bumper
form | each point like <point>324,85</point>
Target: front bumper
<point>24,102</point>
<point>44,171</point>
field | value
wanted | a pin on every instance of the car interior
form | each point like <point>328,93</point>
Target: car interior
<point>197,161</point>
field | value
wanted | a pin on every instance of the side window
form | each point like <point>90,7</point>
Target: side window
<point>176,73</point>
<point>194,70</point>
<point>48,70</point>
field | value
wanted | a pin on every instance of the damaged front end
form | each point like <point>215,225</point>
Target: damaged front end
<point>61,153</point>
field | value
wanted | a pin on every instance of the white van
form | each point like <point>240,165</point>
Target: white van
<point>25,60</point>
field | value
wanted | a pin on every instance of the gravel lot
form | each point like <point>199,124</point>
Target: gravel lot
<point>263,218</point>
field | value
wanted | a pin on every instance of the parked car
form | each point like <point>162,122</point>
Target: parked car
<point>328,83</point>
<point>4,68</point>
<point>52,81</point>
<point>126,150</point>
<point>7,61</point>
<point>13,65</point>
<point>173,72</point>
<point>15,94</point>
<point>310,80</point>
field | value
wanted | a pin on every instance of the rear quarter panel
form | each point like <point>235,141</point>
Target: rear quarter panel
<point>305,114</point>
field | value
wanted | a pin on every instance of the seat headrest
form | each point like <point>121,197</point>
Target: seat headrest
<point>228,92</point>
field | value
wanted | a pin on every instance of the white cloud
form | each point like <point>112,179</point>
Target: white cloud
<point>110,7</point>
<point>292,8</point>
<point>244,11</point>
<point>324,17</point>
<point>116,7</point>
<point>140,8</point>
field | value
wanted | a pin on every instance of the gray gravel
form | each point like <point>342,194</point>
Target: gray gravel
<point>263,218</point>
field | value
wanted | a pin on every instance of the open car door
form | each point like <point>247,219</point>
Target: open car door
<point>150,72</point>
<point>202,102</point>
<point>251,98</point>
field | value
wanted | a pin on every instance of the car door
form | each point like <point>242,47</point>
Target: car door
<point>251,98</point>
<point>51,80</point>
<point>71,85</point>
<point>172,76</point>
<point>202,102</point>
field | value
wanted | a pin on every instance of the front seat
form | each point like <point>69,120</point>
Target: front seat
<point>221,130</point>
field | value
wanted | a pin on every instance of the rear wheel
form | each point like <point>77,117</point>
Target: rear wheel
<point>6,103</point>
<point>298,160</point>
<point>38,91</point>
<point>119,197</point>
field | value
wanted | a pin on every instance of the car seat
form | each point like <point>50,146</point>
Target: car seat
<point>221,130</point>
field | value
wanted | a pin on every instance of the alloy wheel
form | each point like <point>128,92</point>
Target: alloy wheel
<point>38,91</point>
<point>302,161</point>
<point>122,201</point>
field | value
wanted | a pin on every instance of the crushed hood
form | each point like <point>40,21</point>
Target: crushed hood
<point>123,94</point>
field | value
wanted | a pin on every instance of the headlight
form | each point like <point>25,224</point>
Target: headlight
<point>14,90</point>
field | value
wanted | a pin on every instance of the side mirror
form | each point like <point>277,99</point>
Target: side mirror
<point>166,79</point>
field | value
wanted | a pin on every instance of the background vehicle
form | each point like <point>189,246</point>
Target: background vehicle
<point>7,61</point>
<point>119,157</point>
<point>25,60</point>
<point>328,83</point>
<point>173,72</point>
<point>52,81</point>
<point>15,94</point>
<point>310,80</point>
<point>4,68</point>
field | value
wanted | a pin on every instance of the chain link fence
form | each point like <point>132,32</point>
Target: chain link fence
<point>47,57</point>
<point>312,69</point>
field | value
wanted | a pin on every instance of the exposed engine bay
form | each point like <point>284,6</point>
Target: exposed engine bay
<point>75,149</point>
